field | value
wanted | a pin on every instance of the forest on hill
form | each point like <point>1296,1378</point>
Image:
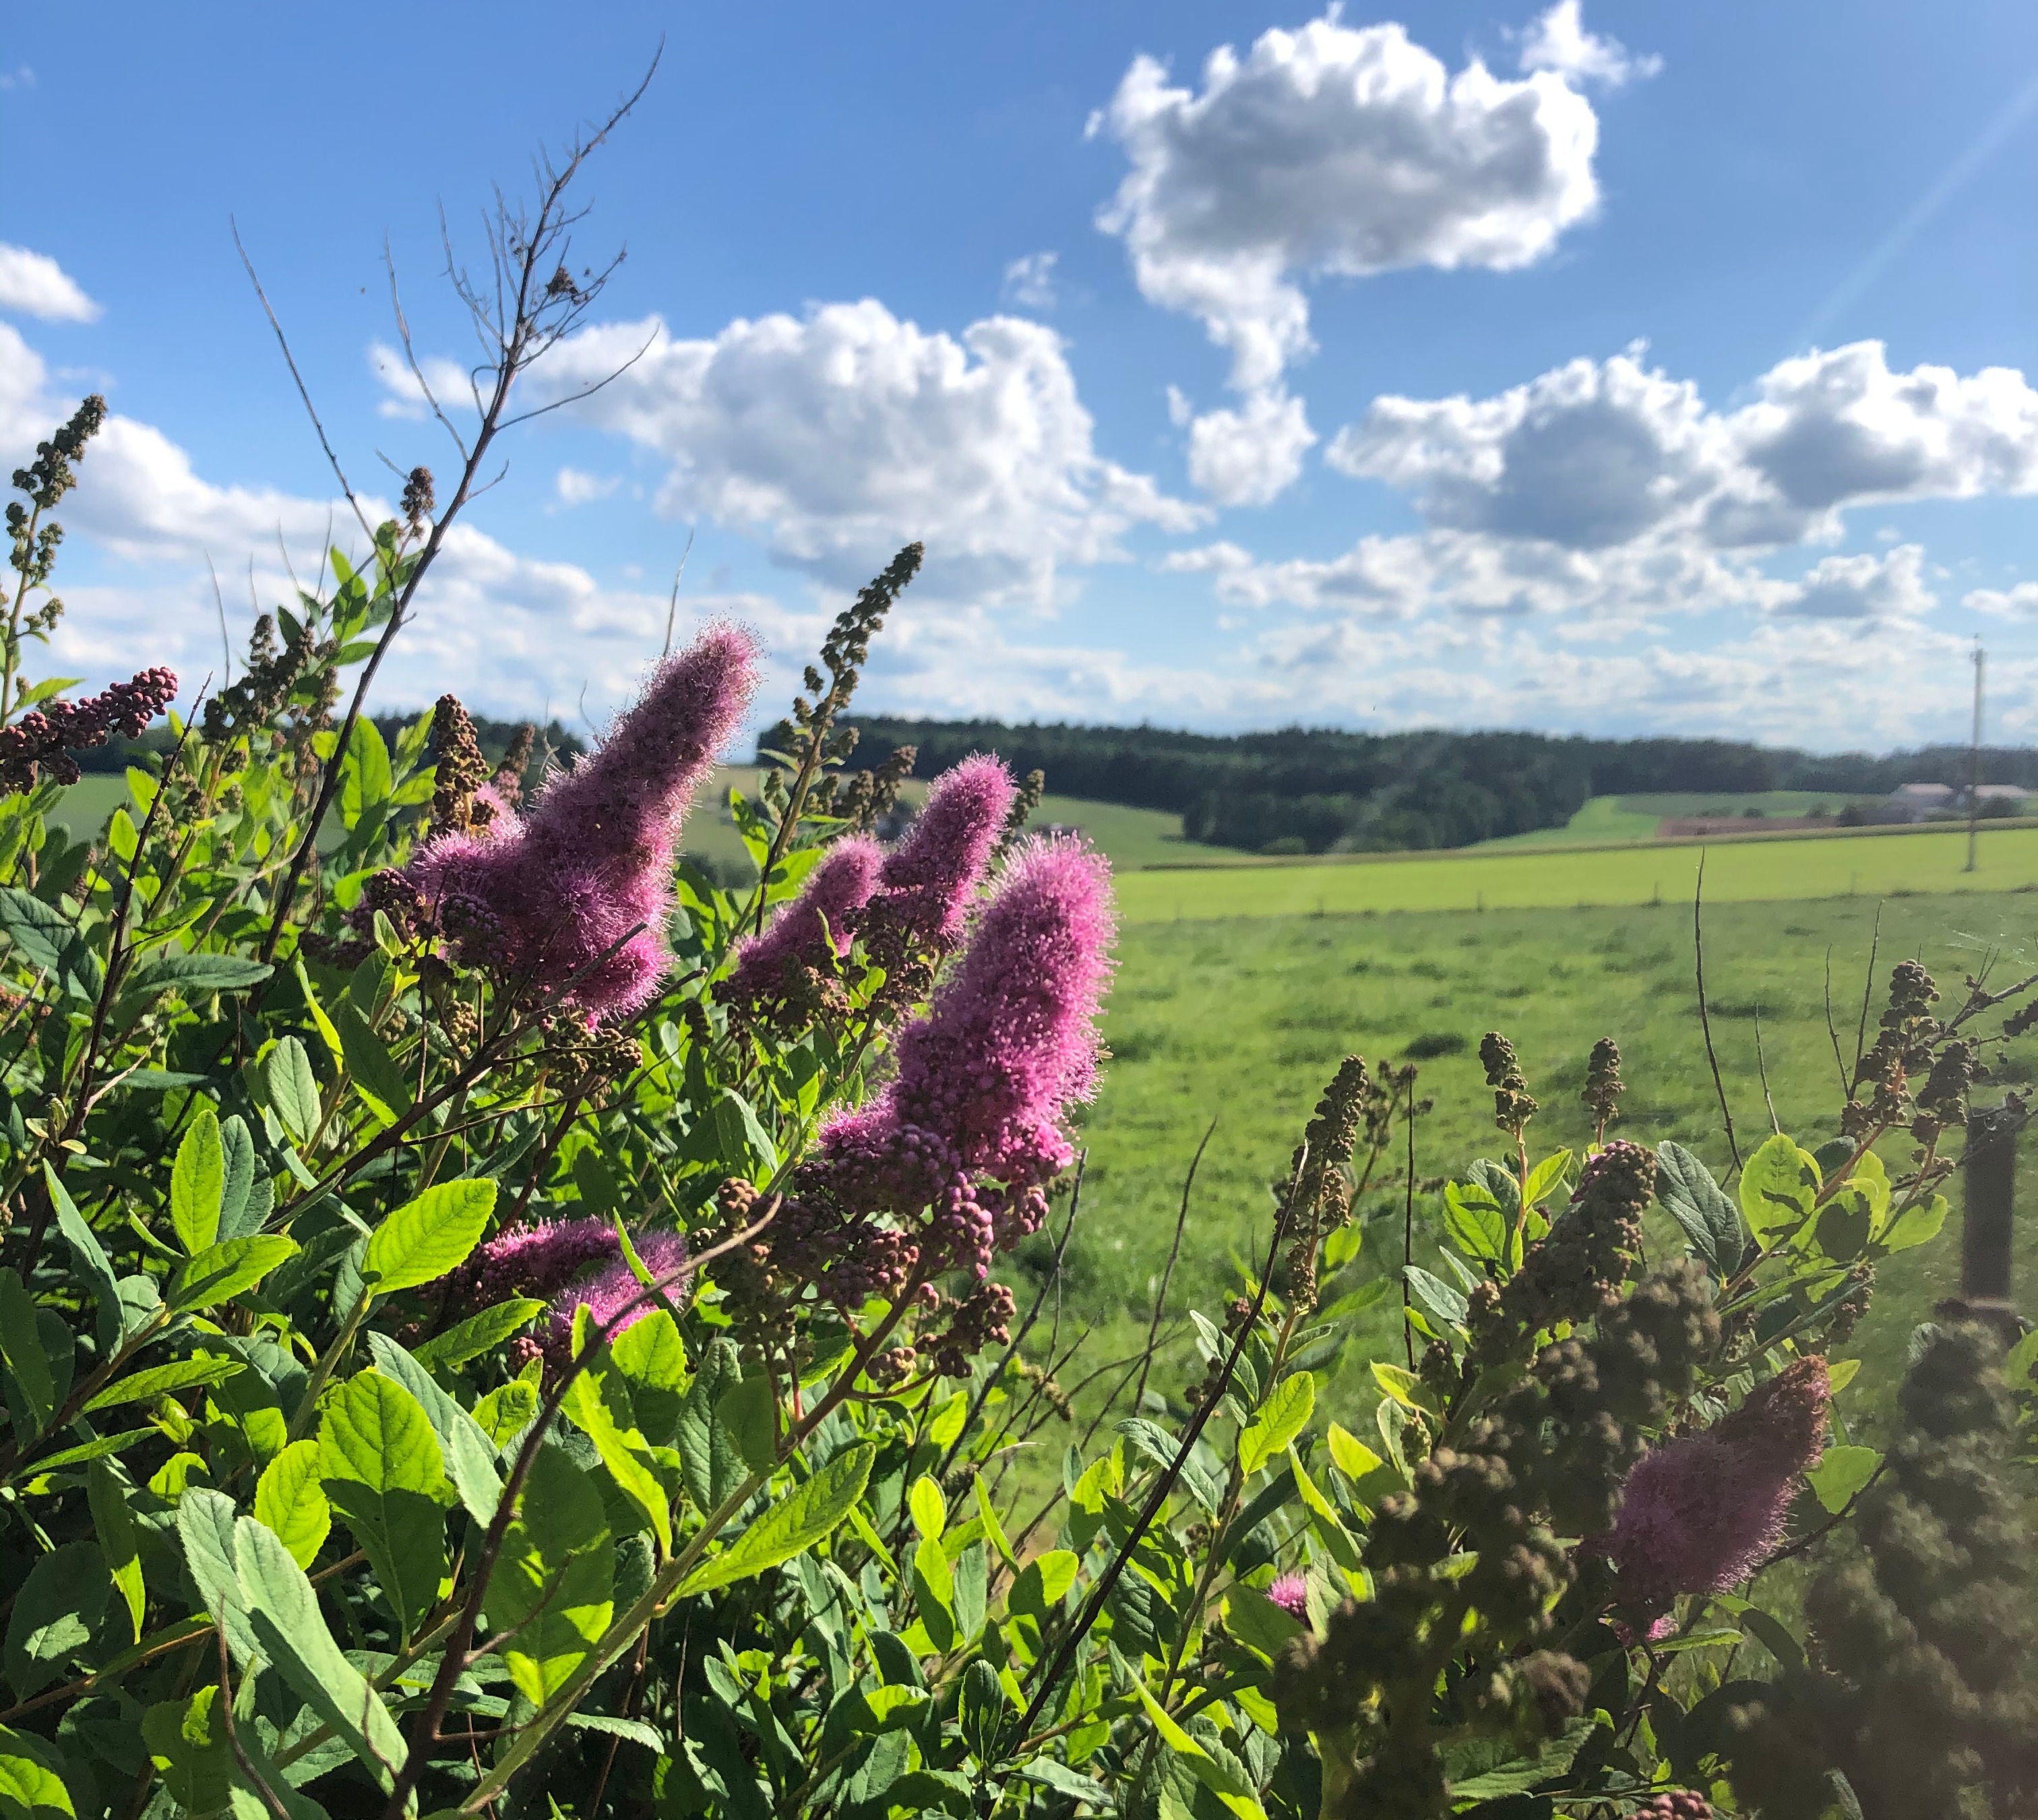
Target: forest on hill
<point>1317,790</point>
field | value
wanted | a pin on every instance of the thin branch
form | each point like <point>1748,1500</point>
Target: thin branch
<point>1846,1087</point>
<point>1762,1068</point>
<point>290,360</point>
<point>1704,1016</point>
<point>672,609</point>
<point>1168,1274</point>
<point>1867,990</point>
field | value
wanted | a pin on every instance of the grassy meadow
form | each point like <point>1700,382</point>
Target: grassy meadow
<point>1244,1020</point>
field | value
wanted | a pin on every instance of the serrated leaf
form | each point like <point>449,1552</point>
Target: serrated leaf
<point>291,1498</point>
<point>1916,1225</point>
<point>223,1271</point>
<point>382,1468</point>
<point>467,1452</point>
<point>205,1528</point>
<point>929,1508</point>
<point>799,1521</point>
<point>597,1403</point>
<point>1841,1473</point>
<point>426,1238</point>
<point>30,1788</point>
<point>198,1181</point>
<point>93,1265</point>
<point>55,1613</point>
<point>480,1333</point>
<point>1279,1420</point>
<point>107,1492</point>
<point>293,1090</point>
<point>195,975</point>
<point>554,1581</point>
<point>165,1380</point>
<point>1710,1222</point>
<point>1351,1455</point>
<point>1778,1188</point>
<point>381,1084</point>
<point>283,1614</point>
<point>1445,1305</point>
<point>21,1346</point>
<point>1473,1218</point>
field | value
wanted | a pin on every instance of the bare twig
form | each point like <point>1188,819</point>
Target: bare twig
<point>1867,990</point>
<point>1846,1086</point>
<point>1168,1274</point>
<point>1704,1016</point>
<point>1762,1069</point>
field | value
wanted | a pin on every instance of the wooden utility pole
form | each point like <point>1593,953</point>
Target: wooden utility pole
<point>1974,759</point>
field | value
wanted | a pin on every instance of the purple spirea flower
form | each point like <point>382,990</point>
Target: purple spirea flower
<point>574,896</point>
<point>1700,1514</point>
<point>970,1126</point>
<point>613,1290</point>
<point>924,891</point>
<point>539,1259</point>
<point>1291,1593</point>
<point>823,915</point>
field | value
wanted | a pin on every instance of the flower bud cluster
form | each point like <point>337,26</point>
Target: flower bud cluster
<point>40,743</point>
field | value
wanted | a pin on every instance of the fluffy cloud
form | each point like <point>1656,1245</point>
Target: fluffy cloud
<point>1335,150</point>
<point>2005,603</point>
<point>1890,587</point>
<point>1558,40</point>
<point>572,487</point>
<point>1247,456</point>
<point>1029,282</point>
<point>837,437</point>
<point>1596,454</point>
<point>35,284</point>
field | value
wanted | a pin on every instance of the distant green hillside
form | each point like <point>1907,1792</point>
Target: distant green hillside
<point>1635,818</point>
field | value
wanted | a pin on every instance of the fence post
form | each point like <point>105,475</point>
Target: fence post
<point>1991,1166</point>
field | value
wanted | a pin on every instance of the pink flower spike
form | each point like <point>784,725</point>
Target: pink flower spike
<point>925,889</point>
<point>607,1295</point>
<point>575,896</point>
<point>1291,1593</point>
<point>835,893</point>
<point>1701,1513</point>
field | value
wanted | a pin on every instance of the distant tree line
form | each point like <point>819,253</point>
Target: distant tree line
<point>1316,789</point>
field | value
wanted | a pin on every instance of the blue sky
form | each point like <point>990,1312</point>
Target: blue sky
<point>1642,369</point>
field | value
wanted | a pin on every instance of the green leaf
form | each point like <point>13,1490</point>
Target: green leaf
<point>163,1380</point>
<point>54,1614</point>
<point>1841,1472</point>
<point>652,1359</point>
<point>1690,1196</point>
<point>1351,1455</point>
<point>197,1183</point>
<point>1473,1218</point>
<point>107,1492</point>
<point>1778,1188</point>
<point>713,1466</point>
<point>426,1238</point>
<point>42,933</point>
<point>1916,1225</point>
<point>283,1612</point>
<point>1257,1622</point>
<point>468,1453</point>
<point>1043,1582</point>
<point>933,1594</point>
<point>376,1076</point>
<point>21,1345</point>
<point>1278,1420</point>
<point>482,1332</point>
<point>558,1562</point>
<point>1234,1790</point>
<point>1281,1418</point>
<point>205,1527</point>
<point>30,1788</point>
<point>291,1498</point>
<point>187,1742</point>
<point>929,1509</point>
<point>93,1265</point>
<point>1444,1304</point>
<point>382,1468</point>
<point>597,1403</point>
<point>222,1272</point>
<point>195,975</point>
<point>745,1413</point>
<point>1551,1759</point>
<point>243,1203</point>
<point>795,1523</point>
<point>293,1089</point>
<point>367,779</point>
<point>1544,1177</point>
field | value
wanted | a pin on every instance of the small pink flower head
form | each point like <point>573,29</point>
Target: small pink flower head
<point>923,893</point>
<point>575,896</point>
<point>824,914</point>
<point>539,1259</point>
<point>614,1290</point>
<point>1291,1593</point>
<point>1676,1804</point>
<point>1700,1514</point>
<point>986,1078</point>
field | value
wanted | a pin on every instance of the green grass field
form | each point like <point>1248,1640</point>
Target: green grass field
<point>1612,818</point>
<point>1868,864</point>
<point>1245,1020</point>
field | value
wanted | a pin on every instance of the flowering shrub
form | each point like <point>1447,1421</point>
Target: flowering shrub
<point>493,1322</point>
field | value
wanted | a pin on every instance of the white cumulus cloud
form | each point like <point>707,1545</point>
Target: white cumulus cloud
<point>1029,282</point>
<point>1558,40</point>
<point>837,437</point>
<point>1339,150</point>
<point>1890,587</point>
<point>35,284</point>
<point>1247,456</point>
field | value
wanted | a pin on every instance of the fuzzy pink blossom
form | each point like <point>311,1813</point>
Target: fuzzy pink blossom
<point>574,896</point>
<point>607,1294</point>
<point>1699,1514</point>
<point>823,915</point>
<point>972,1126</point>
<point>538,1259</point>
<point>924,891</point>
<point>1291,1593</point>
